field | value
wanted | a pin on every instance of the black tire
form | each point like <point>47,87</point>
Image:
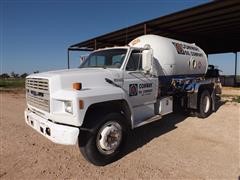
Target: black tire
<point>92,150</point>
<point>205,104</point>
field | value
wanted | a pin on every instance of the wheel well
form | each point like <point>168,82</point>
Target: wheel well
<point>208,87</point>
<point>100,109</point>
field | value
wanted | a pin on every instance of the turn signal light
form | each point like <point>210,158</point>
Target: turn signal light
<point>81,104</point>
<point>77,86</point>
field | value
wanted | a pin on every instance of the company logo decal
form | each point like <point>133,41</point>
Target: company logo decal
<point>179,48</point>
<point>141,89</point>
<point>145,89</point>
<point>133,89</point>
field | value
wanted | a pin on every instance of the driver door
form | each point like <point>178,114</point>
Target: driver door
<point>141,88</point>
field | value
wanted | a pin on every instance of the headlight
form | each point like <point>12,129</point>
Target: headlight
<point>68,106</point>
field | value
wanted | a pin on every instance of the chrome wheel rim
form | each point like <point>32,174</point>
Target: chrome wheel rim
<point>109,137</point>
<point>206,104</point>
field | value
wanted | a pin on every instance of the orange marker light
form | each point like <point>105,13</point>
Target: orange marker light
<point>81,104</point>
<point>77,86</point>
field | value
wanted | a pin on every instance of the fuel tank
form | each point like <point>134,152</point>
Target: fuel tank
<point>172,57</point>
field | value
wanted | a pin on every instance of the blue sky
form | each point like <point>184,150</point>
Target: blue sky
<point>34,34</point>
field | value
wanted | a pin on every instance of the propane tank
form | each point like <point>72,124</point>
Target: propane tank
<point>172,57</point>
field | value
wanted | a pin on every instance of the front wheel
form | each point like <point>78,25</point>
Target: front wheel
<point>104,144</point>
<point>205,104</point>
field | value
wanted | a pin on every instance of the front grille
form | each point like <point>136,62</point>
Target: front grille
<point>38,93</point>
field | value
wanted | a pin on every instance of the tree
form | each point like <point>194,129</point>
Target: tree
<point>24,75</point>
<point>14,75</point>
<point>4,75</point>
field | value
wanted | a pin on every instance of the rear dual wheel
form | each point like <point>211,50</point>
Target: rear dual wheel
<point>205,104</point>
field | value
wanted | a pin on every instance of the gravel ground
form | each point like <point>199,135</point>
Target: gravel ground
<point>176,147</point>
<point>231,91</point>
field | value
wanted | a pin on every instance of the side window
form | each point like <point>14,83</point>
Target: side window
<point>134,62</point>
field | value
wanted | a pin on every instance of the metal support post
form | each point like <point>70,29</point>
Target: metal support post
<point>68,63</point>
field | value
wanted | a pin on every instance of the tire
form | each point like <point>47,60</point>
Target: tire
<point>205,104</point>
<point>97,150</point>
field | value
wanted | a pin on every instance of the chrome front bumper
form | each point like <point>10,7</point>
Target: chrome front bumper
<point>57,133</point>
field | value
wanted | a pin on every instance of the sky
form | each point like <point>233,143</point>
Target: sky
<point>35,34</point>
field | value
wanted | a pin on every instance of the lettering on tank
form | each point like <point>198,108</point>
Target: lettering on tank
<point>185,49</point>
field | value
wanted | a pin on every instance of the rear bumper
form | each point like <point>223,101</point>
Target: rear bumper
<point>60,134</point>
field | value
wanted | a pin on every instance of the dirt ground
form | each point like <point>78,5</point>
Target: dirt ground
<point>231,91</point>
<point>176,147</point>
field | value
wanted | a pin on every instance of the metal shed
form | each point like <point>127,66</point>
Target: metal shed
<point>214,26</point>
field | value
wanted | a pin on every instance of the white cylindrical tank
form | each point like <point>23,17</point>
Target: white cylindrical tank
<point>173,57</point>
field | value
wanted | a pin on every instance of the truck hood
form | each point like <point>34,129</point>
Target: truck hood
<point>89,77</point>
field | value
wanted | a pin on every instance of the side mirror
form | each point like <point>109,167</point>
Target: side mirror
<point>147,60</point>
<point>82,58</point>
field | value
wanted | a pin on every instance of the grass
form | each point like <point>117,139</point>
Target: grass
<point>236,99</point>
<point>231,98</point>
<point>12,83</point>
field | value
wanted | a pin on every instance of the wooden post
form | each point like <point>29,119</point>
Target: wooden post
<point>145,29</point>
<point>68,63</point>
<point>235,77</point>
<point>95,44</point>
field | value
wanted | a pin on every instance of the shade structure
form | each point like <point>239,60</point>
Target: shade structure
<point>214,26</point>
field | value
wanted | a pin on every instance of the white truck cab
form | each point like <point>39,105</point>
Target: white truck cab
<point>118,89</point>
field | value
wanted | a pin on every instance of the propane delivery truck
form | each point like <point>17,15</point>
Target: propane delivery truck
<point>118,89</point>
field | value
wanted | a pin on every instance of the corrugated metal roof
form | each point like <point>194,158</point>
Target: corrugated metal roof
<point>214,26</point>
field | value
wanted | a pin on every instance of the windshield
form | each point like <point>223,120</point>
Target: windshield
<point>111,58</point>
